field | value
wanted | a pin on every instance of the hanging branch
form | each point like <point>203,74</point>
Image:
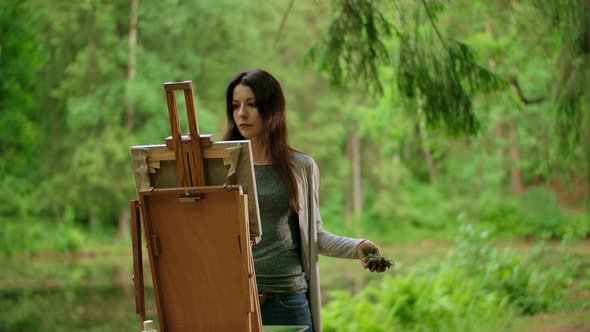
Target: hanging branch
<point>354,48</point>
<point>572,75</point>
<point>430,15</point>
<point>447,77</point>
<point>278,35</point>
<point>520,94</point>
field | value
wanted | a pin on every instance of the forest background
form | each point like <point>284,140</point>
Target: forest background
<point>429,120</point>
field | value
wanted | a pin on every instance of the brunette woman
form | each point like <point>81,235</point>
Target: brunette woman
<point>287,181</point>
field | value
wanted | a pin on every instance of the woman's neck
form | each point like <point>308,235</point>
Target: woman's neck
<point>260,153</point>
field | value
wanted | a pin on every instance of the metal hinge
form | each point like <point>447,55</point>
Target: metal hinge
<point>239,244</point>
<point>156,245</point>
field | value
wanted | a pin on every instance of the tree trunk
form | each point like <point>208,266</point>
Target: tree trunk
<point>131,62</point>
<point>124,231</point>
<point>124,222</point>
<point>426,143</point>
<point>501,139</point>
<point>396,161</point>
<point>93,220</point>
<point>348,205</point>
<point>124,279</point>
<point>355,143</point>
<point>516,183</point>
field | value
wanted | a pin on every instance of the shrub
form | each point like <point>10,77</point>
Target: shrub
<point>27,235</point>
<point>475,288</point>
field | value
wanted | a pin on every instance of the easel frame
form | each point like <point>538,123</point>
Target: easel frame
<point>159,208</point>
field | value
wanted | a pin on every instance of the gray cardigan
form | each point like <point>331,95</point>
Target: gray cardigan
<point>314,239</point>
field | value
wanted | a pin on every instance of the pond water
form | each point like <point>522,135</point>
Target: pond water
<point>69,293</point>
<point>88,292</point>
<point>91,292</point>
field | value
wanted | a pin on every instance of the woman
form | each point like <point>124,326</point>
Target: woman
<point>287,181</point>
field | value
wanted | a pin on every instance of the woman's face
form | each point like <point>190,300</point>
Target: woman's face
<point>246,115</point>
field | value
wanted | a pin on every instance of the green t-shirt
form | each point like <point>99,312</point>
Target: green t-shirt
<point>277,257</point>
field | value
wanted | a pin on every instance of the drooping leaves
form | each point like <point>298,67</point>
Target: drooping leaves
<point>354,46</point>
<point>442,72</point>
<point>446,81</point>
<point>572,75</point>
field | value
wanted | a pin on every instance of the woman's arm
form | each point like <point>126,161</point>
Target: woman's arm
<point>328,243</point>
<point>340,246</point>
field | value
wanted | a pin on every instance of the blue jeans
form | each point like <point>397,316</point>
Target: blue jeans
<point>290,309</point>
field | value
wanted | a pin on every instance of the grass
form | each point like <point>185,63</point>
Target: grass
<point>555,322</point>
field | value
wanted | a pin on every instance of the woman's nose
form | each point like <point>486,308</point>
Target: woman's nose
<point>242,111</point>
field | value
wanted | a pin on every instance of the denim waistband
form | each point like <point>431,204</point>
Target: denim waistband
<point>266,296</point>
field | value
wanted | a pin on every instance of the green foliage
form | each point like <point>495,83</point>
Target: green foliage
<point>66,175</point>
<point>19,62</point>
<point>438,208</point>
<point>354,46</point>
<point>14,196</point>
<point>528,283</point>
<point>475,288</point>
<point>573,72</point>
<point>443,72</point>
<point>536,214</point>
<point>447,82</point>
<point>540,209</point>
<point>578,228</point>
<point>37,237</point>
<point>68,112</point>
<point>19,312</point>
<point>417,206</point>
<point>415,303</point>
<point>65,99</point>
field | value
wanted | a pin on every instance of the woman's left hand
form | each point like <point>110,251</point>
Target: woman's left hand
<point>366,248</point>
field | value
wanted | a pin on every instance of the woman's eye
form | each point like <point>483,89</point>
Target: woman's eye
<point>235,106</point>
<point>252,105</point>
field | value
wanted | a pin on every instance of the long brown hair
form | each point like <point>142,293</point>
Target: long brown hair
<point>271,104</point>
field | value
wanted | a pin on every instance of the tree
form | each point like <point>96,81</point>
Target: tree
<point>441,69</point>
<point>20,60</point>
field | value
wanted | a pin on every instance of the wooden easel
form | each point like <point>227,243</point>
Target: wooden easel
<point>198,239</point>
<point>189,154</point>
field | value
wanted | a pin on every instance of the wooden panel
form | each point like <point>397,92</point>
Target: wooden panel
<point>137,259</point>
<point>217,161</point>
<point>256,318</point>
<point>176,133</point>
<point>244,244</point>
<point>171,86</point>
<point>195,152</point>
<point>169,155</point>
<point>189,153</point>
<point>199,258</point>
<point>205,139</point>
<point>140,168</point>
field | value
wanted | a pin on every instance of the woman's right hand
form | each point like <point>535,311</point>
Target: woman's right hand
<point>370,255</point>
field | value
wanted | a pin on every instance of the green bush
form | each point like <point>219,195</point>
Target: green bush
<point>413,205</point>
<point>448,301</point>
<point>436,208</point>
<point>29,235</point>
<point>13,195</point>
<point>19,311</point>
<point>577,228</point>
<point>534,214</point>
<point>475,288</point>
<point>530,285</point>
